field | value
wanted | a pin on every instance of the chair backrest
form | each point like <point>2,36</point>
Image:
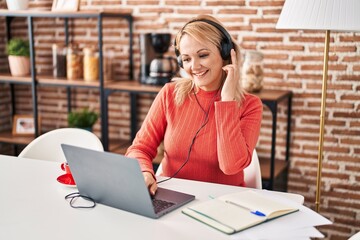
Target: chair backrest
<point>252,173</point>
<point>356,236</point>
<point>48,145</point>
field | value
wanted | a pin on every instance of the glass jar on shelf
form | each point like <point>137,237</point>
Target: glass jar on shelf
<point>59,60</point>
<point>253,71</point>
<point>108,65</point>
<point>91,64</point>
<point>74,69</point>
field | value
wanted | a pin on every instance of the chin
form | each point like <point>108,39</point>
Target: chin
<point>200,84</point>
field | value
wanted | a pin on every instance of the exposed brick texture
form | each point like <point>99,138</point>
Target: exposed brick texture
<point>293,61</point>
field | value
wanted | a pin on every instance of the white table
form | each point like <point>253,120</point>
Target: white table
<point>32,206</point>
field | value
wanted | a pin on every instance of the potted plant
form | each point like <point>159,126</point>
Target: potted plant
<point>18,51</point>
<point>84,118</point>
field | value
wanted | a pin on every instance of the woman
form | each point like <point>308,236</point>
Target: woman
<point>209,125</point>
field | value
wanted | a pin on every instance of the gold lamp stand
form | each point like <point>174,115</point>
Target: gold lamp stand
<point>322,119</point>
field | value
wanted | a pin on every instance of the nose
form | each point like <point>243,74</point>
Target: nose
<point>195,63</point>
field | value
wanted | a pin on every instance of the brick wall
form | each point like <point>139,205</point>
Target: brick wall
<point>293,61</point>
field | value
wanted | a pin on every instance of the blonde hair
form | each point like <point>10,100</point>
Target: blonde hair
<point>201,30</point>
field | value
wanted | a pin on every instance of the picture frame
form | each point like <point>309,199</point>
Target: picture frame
<point>65,5</point>
<point>23,125</point>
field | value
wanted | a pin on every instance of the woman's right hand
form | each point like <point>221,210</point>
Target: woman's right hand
<point>228,91</point>
<point>150,182</point>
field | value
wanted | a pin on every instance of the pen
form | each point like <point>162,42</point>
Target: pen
<point>255,212</point>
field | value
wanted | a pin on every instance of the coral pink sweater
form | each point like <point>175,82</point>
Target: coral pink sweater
<point>222,148</point>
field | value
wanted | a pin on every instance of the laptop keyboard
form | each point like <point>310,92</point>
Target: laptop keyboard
<point>160,205</point>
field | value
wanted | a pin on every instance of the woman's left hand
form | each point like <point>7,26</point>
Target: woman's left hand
<point>232,77</point>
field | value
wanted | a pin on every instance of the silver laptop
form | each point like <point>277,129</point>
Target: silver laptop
<point>117,181</point>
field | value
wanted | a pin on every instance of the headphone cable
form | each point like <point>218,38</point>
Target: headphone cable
<point>206,120</point>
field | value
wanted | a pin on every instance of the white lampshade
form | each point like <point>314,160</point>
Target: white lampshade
<point>338,15</point>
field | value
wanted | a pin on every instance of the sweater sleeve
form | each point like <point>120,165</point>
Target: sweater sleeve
<point>238,130</point>
<point>151,133</point>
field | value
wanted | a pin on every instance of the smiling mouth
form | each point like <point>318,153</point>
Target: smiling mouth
<point>200,74</point>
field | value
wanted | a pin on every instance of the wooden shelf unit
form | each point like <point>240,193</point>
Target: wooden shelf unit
<point>265,165</point>
<point>8,137</point>
<point>35,80</point>
<point>7,78</point>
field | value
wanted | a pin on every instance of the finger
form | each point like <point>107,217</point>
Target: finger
<point>225,69</point>
<point>153,188</point>
<point>233,57</point>
<point>149,179</point>
<point>229,69</point>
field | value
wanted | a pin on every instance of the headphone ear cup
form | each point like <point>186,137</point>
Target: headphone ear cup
<point>226,50</point>
<point>180,62</point>
<point>178,57</point>
<point>177,52</point>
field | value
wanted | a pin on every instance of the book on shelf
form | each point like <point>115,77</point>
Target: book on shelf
<point>238,211</point>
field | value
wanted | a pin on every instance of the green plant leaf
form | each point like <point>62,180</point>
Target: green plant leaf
<point>18,47</point>
<point>83,118</point>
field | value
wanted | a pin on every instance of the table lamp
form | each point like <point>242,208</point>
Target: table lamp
<point>327,15</point>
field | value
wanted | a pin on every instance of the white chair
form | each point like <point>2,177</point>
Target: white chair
<point>356,236</point>
<point>252,173</point>
<point>252,178</point>
<point>47,146</point>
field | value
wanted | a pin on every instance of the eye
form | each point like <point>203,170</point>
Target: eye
<point>204,55</point>
<point>186,59</point>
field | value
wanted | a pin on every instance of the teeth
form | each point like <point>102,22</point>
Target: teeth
<point>199,74</point>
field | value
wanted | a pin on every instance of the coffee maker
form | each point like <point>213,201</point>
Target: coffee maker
<point>156,69</point>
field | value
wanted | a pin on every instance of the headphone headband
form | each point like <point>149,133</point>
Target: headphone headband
<point>225,46</point>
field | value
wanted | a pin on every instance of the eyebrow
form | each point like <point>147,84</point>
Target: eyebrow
<point>202,49</point>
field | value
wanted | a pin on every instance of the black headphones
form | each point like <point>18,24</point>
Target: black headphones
<point>225,46</point>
